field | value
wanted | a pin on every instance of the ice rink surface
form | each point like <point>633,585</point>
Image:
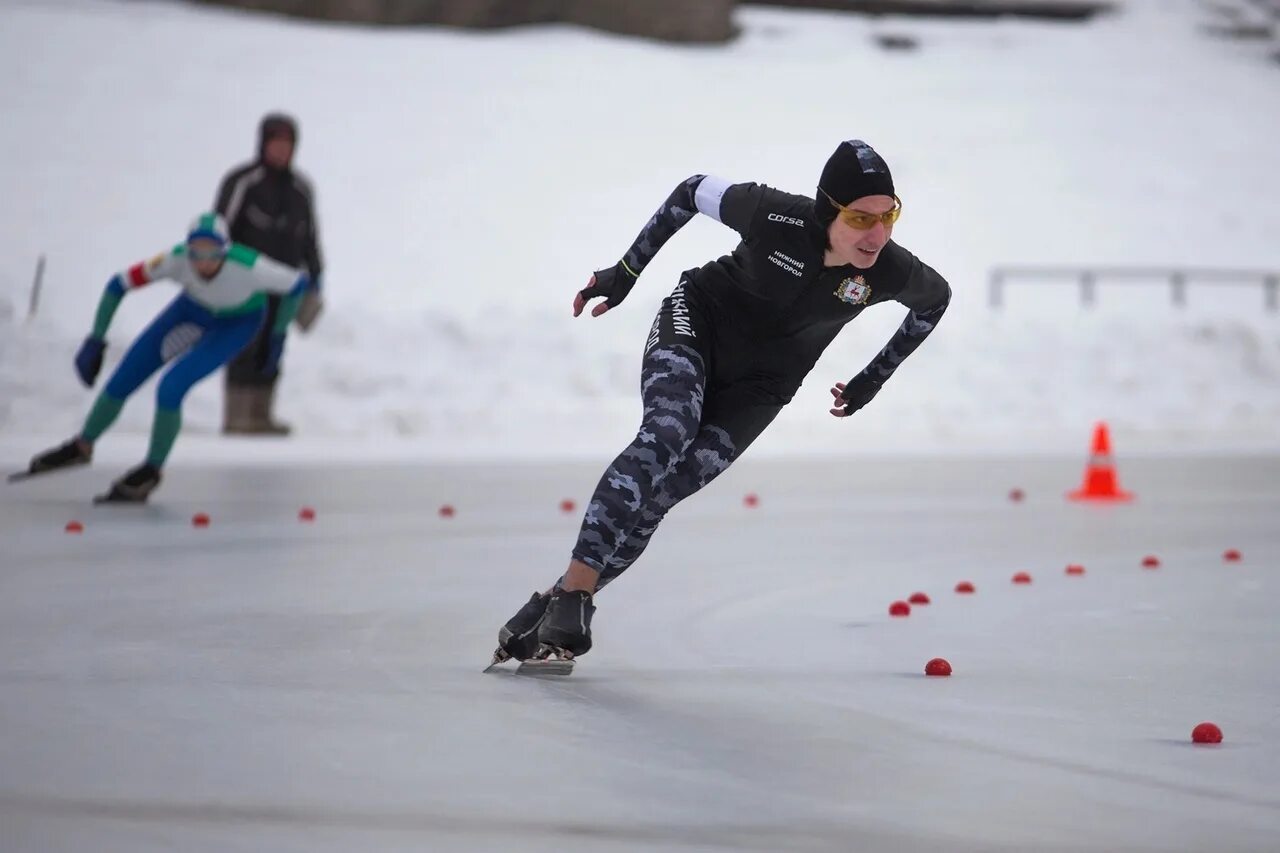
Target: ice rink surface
<point>269,684</point>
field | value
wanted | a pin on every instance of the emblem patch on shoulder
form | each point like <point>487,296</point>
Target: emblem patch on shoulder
<point>854,290</point>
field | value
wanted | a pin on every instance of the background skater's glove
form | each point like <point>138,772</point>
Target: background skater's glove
<point>271,361</point>
<point>613,284</point>
<point>89,359</point>
<point>859,391</point>
<point>309,309</point>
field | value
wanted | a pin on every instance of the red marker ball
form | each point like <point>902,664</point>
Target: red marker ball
<point>74,527</point>
<point>447,511</point>
<point>200,519</point>
<point>1022,577</point>
<point>1206,733</point>
<point>1231,555</point>
<point>918,598</point>
<point>1016,495</point>
<point>899,608</point>
<point>1150,562</point>
<point>964,587</point>
<point>752,500</point>
<point>1075,569</point>
<point>567,506</point>
<point>937,666</point>
<point>306,514</point>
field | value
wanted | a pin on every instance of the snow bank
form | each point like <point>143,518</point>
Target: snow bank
<point>469,183</point>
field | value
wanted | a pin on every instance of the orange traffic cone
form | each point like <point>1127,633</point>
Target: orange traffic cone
<point>1100,483</point>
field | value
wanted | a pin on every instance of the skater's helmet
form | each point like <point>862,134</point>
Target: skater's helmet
<point>210,227</point>
<point>854,171</point>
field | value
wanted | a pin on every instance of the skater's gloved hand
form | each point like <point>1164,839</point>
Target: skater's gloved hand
<point>854,394</point>
<point>613,284</point>
<point>271,362</point>
<point>89,359</point>
<point>308,310</point>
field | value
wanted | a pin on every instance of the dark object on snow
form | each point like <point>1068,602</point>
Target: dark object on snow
<point>667,20</point>
<point>890,41</point>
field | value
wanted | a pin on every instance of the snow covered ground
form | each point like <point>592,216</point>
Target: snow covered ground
<point>469,183</point>
<point>267,684</point>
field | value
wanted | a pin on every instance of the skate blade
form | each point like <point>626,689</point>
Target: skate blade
<point>547,662</point>
<point>499,657</point>
<point>551,667</point>
<point>19,476</point>
<point>112,498</point>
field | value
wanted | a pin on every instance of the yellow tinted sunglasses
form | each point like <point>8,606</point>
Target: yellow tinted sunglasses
<point>861,220</point>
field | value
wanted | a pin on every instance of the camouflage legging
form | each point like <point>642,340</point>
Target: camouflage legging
<point>676,452</point>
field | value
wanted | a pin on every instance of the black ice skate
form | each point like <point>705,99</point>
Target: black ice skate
<point>519,637</point>
<point>74,452</point>
<point>566,627</point>
<point>133,487</point>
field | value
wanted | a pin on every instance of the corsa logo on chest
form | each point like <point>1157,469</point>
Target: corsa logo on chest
<point>790,220</point>
<point>854,290</point>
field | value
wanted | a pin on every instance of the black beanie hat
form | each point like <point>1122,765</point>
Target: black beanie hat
<point>854,171</point>
<point>273,125</point>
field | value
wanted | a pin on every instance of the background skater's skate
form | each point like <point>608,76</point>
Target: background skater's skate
<point>74,452</point>
<point>134,487</point>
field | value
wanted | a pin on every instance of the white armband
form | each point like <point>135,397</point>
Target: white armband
<point>708,195</point>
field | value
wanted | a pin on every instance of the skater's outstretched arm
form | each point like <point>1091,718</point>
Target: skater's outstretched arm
<point>927,296</point>
<point>88,359</point>
<point>732,204</point>
<point>139,275</point>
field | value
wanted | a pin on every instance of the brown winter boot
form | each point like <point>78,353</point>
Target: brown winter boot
<point>263,402</point>
<point>237,410</point>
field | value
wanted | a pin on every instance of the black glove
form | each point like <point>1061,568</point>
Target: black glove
<point>89,359</point>
<point>859,391</point>
<point>613,284</point>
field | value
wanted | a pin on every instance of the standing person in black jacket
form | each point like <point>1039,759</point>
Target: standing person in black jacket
<point>269,206</point>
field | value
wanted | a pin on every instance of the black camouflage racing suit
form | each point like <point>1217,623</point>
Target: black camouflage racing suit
<point>730,347</point>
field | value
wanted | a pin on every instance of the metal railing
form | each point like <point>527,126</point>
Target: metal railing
<point>1178,279</point>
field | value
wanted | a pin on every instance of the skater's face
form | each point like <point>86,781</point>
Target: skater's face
<point>863,228</point>
<point>206,257</point>
<point>278,152</point>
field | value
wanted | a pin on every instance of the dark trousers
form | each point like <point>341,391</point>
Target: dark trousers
<point>691,431</point>
<point>244,371</point>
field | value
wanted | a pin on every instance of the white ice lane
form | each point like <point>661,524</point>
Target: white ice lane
<point>269,684</point>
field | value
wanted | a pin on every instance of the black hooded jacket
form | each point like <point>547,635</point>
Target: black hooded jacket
<point>273,210</point>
